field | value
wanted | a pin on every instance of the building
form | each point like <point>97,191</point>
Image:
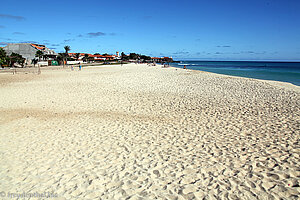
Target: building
<point>28,51</point>
<point>80,57</point>
<point>162,59</point>
<point>96,57</point>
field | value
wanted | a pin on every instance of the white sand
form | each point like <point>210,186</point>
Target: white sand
<point>140,132</point>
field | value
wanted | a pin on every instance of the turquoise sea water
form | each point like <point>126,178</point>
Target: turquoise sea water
<point>277,71</point>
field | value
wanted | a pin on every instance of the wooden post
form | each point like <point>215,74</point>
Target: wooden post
<point>39,69</point>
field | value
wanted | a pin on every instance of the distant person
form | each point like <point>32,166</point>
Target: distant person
<point>184,66</point>
<point>79,67</point>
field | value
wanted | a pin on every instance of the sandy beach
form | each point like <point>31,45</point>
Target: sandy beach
<point>145,132</point>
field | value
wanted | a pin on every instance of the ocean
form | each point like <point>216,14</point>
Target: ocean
<point>277,71</point>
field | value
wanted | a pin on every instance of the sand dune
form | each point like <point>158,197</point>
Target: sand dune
<point>140,132</point>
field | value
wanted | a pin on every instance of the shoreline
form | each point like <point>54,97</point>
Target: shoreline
<point>273,71</point>
<point>272,82</point>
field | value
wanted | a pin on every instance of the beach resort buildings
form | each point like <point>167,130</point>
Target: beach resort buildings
<point>95,57</point>
<point>28,51</point>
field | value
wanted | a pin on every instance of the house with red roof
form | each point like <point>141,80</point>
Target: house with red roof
<point>96,57</point>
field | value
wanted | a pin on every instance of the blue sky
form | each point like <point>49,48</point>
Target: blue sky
<point>207,30</point>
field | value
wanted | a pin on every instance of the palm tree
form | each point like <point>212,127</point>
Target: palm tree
<point>67,49</point>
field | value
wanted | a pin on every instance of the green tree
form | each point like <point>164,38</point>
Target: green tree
<point>124,56</point>
<point>143,57</point>
<point>4,59</point>
<point>16,58</point>
<point>134,56</point>
<point>39,54</point>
